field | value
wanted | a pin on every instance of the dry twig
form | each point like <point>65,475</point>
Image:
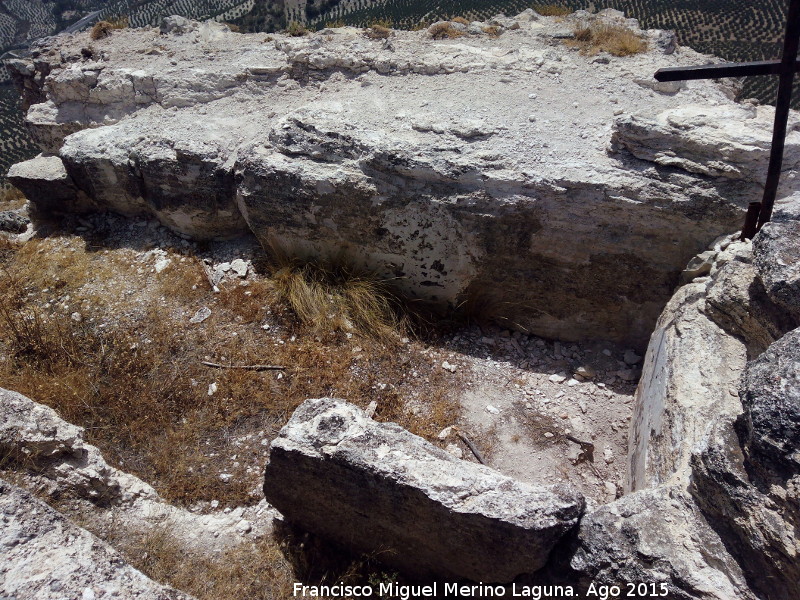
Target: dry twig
<point>246,367</point>
<point>470,445</point>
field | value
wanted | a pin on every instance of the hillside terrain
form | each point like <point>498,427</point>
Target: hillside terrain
<point>368,304</point>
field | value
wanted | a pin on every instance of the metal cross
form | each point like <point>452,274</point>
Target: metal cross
<point>759,213</point>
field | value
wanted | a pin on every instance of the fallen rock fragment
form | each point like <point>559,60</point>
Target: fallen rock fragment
<point>46,179</point>
<point>375,487</point>
<point>201,315</point>
<point>13,222</point>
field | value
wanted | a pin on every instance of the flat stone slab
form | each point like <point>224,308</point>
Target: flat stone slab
<point>377,488</point>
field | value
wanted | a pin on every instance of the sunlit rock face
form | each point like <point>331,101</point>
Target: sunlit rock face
<point>561,193</point>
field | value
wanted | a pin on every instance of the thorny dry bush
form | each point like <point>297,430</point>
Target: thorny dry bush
<point>551,10</point>
<point>444,30</point>
<point>379,30</point>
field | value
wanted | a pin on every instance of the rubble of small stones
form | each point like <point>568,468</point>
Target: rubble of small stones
<point>402,156</point>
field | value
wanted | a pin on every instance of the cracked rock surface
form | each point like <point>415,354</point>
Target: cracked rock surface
<point>368,485</point>
<point>460,169</point>
<point>47,557</point>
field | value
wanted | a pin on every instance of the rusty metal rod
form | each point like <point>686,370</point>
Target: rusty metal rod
<point>782,107</point>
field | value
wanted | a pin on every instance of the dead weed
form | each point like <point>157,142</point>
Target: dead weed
<point>108,344</point>
<point>597,37</point>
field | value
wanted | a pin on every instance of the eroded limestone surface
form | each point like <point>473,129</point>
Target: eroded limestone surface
<point>501,171</point>
<point>46,557</point>
<point>375,487</point>
<point>717,414</point>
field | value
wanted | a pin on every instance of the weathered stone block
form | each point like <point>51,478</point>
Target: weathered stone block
<point>46,556</point>
<point>45,179</point>
<point>659,540</point>
<point>377,487</point>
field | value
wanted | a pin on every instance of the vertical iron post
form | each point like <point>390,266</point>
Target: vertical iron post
<point>790,47</point>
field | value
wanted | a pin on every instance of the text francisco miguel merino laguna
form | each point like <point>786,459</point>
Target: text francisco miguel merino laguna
<point>434,590</point>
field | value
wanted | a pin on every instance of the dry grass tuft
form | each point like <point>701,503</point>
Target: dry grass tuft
<point>461,20</point>
<point>378,32</point>
<point>444,30</point>
<point>492,31</point>
<point>103,29</point>
<point>604,37</point>
<point>333,297</point>
<point>11,198</point>
<point>551,10</point>
<point>296,29</point>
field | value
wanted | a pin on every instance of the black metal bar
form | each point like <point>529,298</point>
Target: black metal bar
<point>715,71</point>
<point>788,64</point>
<point>751,221</point>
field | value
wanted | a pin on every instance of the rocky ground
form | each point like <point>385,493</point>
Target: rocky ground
<point>519,396</point>
<point>400,147</point>
<point>524,403</point>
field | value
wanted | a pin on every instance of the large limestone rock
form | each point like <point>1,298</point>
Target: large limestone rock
<point>771,399</point>
<point>730,141</point>
<point>708,331</point>
<point>461,170</point>
<point>777,255</point>
<point>717,416</point>
<point>46,557</point>
<point>757,517</point>
<point>747,479</point>
<point>45,178</point>
<point>33,434</point>
<point>378,488</point>
<point>690,374</point>
<point>656,538</point>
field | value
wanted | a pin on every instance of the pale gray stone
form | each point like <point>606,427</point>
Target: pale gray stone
<point>46,557</point>
<point>655,537</point>
<point>776,252</point>
<point>46,179</point>
<point>59,462</point>
<point>375,487</point>
<point>726,141</point>
<point>214,148</point>
<point>13,222</point>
